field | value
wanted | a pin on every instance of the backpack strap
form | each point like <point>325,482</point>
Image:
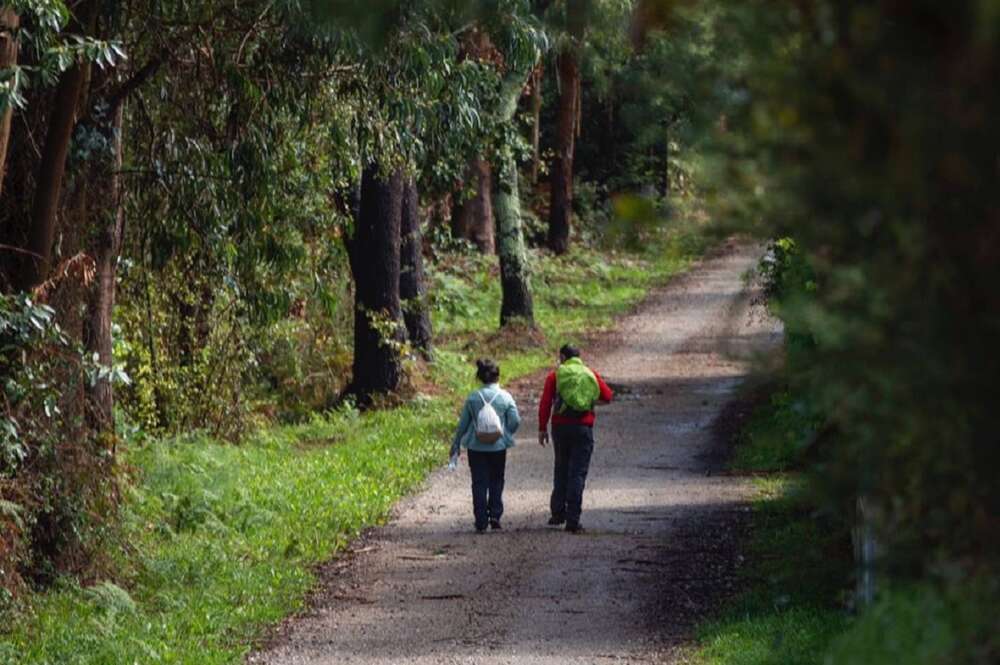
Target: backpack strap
<point>491,399</point>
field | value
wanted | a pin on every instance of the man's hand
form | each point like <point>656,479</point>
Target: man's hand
<point>543,438</point>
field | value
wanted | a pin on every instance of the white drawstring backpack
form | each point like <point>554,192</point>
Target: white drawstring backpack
<point>489,429</point>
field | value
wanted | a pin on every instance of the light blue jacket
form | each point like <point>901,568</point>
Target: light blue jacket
<point>465,433</point>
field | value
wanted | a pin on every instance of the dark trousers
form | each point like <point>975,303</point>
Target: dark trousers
<point>573,446</point>
<point>487,485</point>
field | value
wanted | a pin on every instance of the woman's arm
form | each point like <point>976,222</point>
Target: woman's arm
<point>464,419</point>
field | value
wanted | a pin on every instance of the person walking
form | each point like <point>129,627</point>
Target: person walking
<point>486,428</point>
<point>568,399</point>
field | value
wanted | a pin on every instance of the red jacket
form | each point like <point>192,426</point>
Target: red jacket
<point>548,396</point>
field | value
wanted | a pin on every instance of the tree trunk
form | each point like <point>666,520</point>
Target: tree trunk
<point>9,21</point>
<point>374,257</point>
<point>561,202</point>
<point>412,287</point>
<point>516,306</point>
<point>536,126</point>
<point>473,218</point>
<point>106,226</point>
<point>52,166</point>
<point>665,189</point>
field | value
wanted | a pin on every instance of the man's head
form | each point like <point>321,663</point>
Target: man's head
<point>568,351</point>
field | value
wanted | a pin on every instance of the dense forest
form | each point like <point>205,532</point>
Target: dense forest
<point>217,217</point>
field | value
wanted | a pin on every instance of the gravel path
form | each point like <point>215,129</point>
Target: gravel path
<point>660,546</point>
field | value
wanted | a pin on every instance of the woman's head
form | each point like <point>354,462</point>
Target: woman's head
<point>487,371</point>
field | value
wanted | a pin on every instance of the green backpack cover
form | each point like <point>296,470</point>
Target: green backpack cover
<point>576,387</point>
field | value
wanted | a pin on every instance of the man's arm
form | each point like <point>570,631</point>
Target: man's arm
<point>606,394</point>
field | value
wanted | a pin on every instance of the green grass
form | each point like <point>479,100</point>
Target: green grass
<point>792,607</point>
<point>772,440</point>
<point>219,541</point>
<point>924,624</point>
<point>788,613</point>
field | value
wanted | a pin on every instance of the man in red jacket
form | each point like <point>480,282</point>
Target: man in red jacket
<point>573,443</point>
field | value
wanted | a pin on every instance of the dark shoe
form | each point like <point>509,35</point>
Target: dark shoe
<point>555,520</point>
<point>495,525</point>
<point>480,529</point>
<point>574,528</point>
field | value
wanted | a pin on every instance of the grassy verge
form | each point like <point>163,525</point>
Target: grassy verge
<point>788,614</point>
<point>792,607</point>
<point>218,541</point>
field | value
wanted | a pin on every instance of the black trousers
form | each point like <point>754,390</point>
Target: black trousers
<point>487,485</point>
<point>573,446</point>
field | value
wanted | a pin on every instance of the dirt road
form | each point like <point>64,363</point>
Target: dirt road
<point>661,526</point>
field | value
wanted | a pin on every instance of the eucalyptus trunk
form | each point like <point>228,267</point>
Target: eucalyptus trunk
<point>412,285</point>
<point>374,253</point>
<point>515,283</point>
<point>472,219</point>
<point>52,165</point>
<point>561,203</point>
<point>107,221</point>
<point>9,22</point>
<point>536,123</point>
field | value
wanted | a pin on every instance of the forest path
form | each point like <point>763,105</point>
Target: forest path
<point>660,546</point>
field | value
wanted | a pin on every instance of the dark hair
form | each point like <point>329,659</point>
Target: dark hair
<point>569,351</point>
<point>487,371</point>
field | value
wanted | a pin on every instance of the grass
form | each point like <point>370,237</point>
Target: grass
<point>792,607</point>
<point>219,541</point>
<point>772,439</point>
<point>788,615</point>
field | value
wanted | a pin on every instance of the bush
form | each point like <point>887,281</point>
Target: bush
<point>57,478</point>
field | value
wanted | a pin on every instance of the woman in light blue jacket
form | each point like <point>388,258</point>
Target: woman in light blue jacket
<point>487,461</point>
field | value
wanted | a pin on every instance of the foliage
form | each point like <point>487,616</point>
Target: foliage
<point>777,435</point>
<point>55,486</point>
<point>649,107</point>
<point>843,139</point>
<point>923,624</point>
<point>52,46</point>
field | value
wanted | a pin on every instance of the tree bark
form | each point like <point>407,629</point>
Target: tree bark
<point>561,201</point>
<point>536,126</point>
<point>107,226</point>
<point>516,305</point>
<point>9,22</point>
<point>374,253</point>
<point>473,218</point>
<point>52,166</point>
<point>412,286</point>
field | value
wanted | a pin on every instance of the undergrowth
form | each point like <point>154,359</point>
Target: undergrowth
<point>797,606</point>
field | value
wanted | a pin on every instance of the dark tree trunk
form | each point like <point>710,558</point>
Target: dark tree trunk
<point>106,222</point>
<point>536,125</point>
<point>9,22</point>
<point>374,257</point>
<point>665,186</point>
<point>473,218</point>
<point>561,205</point>
<point>412,287</point>
<point>52,166</point>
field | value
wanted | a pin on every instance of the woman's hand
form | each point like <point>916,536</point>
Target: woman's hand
<point>543,438</point>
